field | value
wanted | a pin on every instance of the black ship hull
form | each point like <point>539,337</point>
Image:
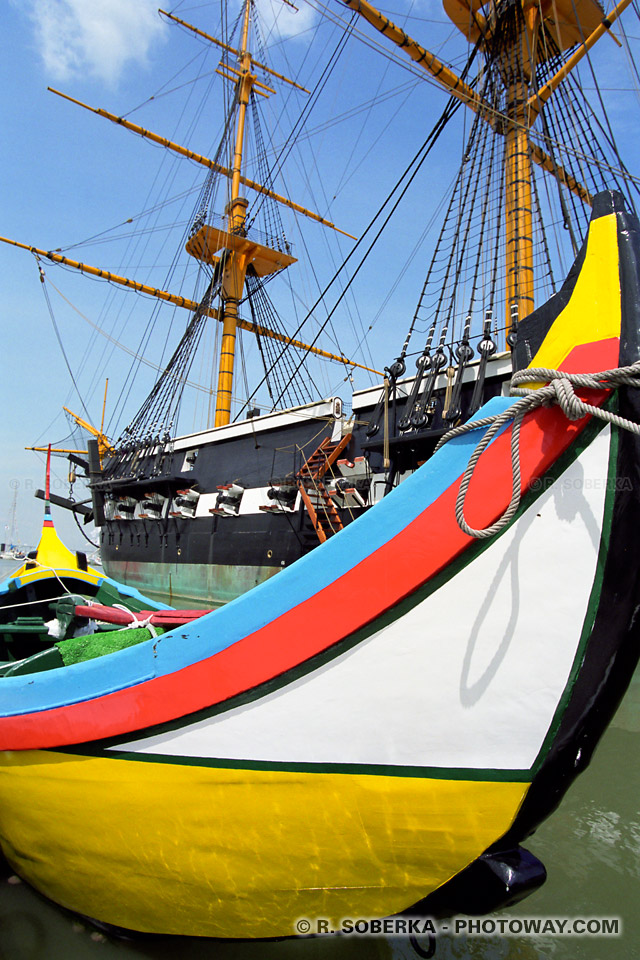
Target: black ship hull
<point>206,518</point>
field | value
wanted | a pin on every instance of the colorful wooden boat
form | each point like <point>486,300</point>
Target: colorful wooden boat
<point>203,508</point>
<point>38,600</point>
<point>392,712</point>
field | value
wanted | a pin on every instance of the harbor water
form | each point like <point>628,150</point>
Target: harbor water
<point>590,847</point>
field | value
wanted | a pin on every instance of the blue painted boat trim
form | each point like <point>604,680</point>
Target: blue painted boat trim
<point>122,588</point>
<point>249,613</point>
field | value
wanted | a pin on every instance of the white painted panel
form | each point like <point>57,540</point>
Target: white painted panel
<point>252,499</point>
<point>500,365</point>
<point>205,502</point>
<point>270,421</point>
<point>471,677</point>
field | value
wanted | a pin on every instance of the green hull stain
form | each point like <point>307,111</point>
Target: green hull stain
<point>190,584</point>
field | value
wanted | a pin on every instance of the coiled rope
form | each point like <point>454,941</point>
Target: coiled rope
<point>561,390</point>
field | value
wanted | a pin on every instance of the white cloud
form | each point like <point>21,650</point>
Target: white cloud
<point>94,37</point>
<point>279,20</point>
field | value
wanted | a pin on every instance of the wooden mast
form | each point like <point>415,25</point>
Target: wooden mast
<point>199,158</point>
<point>235,267</point>
<point>518,65</point>
<point>518,57</point>
<point>229,249</point>
<point>180,301</point>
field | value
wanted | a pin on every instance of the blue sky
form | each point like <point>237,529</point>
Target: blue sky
<point>68,176</point>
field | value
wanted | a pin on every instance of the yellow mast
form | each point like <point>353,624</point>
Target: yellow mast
<point>518,213</point>
<point>225,46</point>
<point>229,249</point>
<point>184,302</point>
<point>104,445</point>
<point>423,58</point>
<point>199,158</point>
<point>476,19</point>
<point>235,268</point>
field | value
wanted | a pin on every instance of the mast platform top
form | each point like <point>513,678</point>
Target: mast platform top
<point>567,22</point>
<point>209,242</point>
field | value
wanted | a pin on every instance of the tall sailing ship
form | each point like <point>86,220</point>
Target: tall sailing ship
<point>377,729</point>
<point>202,517</point>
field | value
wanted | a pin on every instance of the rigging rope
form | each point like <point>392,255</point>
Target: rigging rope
<point>559,390</point>
<point>417,162</point>
<point>310,105</point>
<point>57,333</point>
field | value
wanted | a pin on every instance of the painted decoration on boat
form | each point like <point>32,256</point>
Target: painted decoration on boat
<point>353,735</point>
<point>39,599</point>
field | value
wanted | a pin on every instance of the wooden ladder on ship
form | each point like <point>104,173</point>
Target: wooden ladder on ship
<point>323,514</point>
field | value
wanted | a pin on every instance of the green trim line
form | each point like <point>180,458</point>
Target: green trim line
<point>594,598</point>
<point>475,549</point>
<point>347,769</point>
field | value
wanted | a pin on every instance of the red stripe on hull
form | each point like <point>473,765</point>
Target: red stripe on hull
<point>385,577</point>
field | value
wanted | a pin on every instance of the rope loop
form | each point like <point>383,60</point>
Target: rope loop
<point>136,621</point>
<point>559,389</point>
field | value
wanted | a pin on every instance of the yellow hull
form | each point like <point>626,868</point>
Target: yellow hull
<point>207,851</point>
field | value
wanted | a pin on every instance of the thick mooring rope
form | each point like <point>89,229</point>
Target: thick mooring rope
<point>560,390</point>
